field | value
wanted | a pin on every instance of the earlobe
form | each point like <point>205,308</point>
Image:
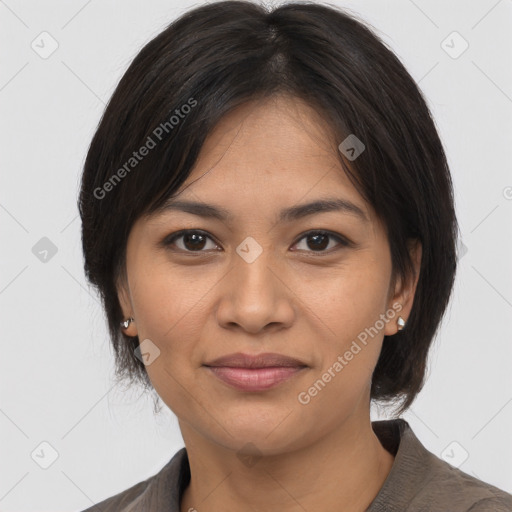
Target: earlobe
<point>127,324</point>
<point>128,328</point>
<point>405,291</point>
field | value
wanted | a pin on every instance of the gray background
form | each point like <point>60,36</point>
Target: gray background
<point>56,365</point>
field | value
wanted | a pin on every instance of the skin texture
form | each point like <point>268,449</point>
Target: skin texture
<point>293,299</point>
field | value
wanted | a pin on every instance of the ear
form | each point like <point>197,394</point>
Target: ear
<point>405,289</point>
<point>124,297</point>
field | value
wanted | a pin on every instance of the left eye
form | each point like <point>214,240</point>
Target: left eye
<point>318,241</point>
<point>197,241</point>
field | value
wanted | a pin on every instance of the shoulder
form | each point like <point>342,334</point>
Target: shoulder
<point>124,500</point>
<point>158,492</point>
<point>421,481</point>
<point>447,485</point>
<point>493,505</point>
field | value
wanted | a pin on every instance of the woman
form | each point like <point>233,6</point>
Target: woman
<point>267,213</point>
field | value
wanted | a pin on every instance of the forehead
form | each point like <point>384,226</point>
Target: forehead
<point>278,148</point>
<point>273,131</point>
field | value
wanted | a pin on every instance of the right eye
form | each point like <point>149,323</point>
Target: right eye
<point>189,240</point>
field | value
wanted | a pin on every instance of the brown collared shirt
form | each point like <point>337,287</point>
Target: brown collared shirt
<point>418,482</point>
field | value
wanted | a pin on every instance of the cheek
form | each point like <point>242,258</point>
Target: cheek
<point>349,345</point>
<point>348,301</point>
<point>349,305</point>
<point>167,299</point>
<point>167,312</point>
<point>164,312</point>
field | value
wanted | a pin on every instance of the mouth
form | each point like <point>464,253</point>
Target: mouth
<point>261,372</point>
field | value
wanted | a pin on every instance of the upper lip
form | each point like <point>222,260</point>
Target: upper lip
<point>240,360</point>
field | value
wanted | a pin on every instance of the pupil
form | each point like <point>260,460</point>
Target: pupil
<point>195,238</point>
<point>321,245</point>
<point>196,241</point>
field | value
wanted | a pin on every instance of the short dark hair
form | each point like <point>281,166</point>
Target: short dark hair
<point>221,55</point>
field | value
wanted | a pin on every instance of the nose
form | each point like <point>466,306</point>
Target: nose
<point>255,296</point>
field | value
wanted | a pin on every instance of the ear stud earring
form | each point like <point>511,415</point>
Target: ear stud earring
<point>401,323</point>
<point>125,323</point>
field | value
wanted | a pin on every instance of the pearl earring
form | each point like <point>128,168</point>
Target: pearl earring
<point>401,323</point>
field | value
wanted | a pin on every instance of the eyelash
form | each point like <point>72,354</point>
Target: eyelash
<point>170,239</point>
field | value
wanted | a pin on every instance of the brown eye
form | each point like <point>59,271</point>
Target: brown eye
<point>190,241</point>
<point>319,241</point>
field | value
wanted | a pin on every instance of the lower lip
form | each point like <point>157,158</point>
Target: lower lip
<point>254,379</point>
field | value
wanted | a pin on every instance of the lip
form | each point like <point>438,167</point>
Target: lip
<point>255,372</point>
<point>265,360</point>
<point>254,379</point>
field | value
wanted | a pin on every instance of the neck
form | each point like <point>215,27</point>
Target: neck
<point>343,470</point>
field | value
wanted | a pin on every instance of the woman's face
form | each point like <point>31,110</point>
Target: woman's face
<point>259,281</point>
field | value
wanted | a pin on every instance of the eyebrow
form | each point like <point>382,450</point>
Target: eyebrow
<point>286,215</point>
